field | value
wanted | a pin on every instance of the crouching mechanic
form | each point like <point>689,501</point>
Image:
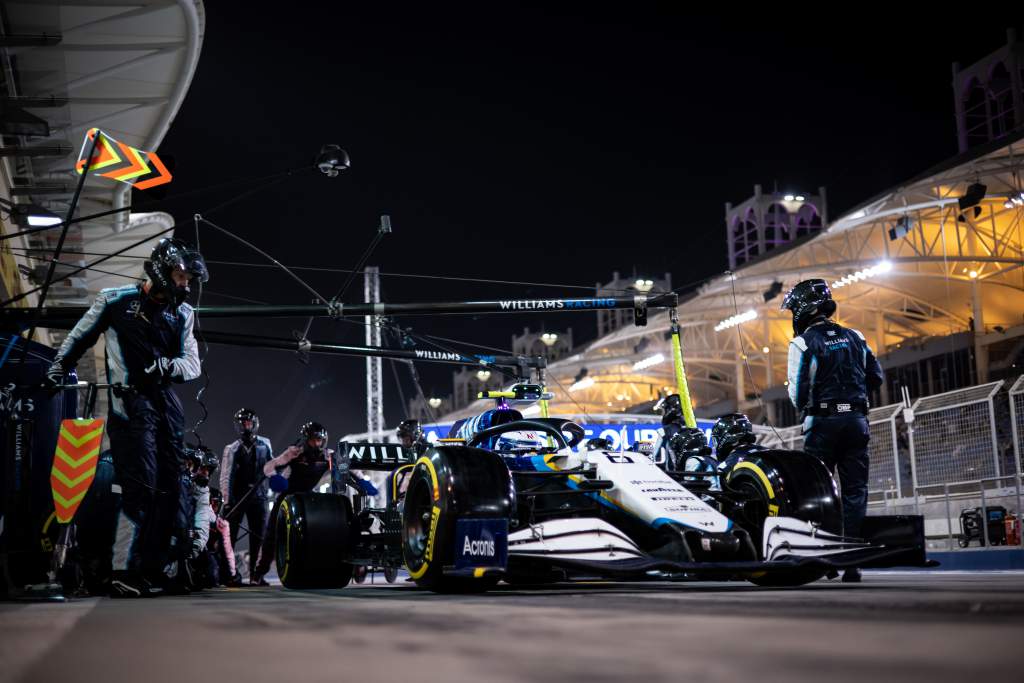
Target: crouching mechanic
<point>149,346</point>
<point>301,466</point>
<point>831,371</point>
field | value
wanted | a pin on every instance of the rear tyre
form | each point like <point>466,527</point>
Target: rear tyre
<point>785,484</point>
<point>314,533</point>
<point>449,483</point>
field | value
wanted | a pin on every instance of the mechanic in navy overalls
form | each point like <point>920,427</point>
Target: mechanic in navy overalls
<point>149,347</point>
<point>831,372</point>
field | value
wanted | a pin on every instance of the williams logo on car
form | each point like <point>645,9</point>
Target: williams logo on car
<point>438,355</point>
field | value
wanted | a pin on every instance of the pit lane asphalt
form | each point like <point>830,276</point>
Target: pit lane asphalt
<point>895,626</point>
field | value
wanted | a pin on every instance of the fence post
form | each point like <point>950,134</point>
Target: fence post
<point>995,440</point>
<point>896,454</point>
<point>984,515</point>
<point>949,519</point>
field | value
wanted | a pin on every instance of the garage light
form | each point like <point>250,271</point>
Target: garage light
<point>734,320</point>
<point>649,362</point>
<point>584,383</point>
<point>878,269</point>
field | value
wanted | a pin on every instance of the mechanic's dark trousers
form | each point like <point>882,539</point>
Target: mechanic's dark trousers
<point>148,449</point>
<point>254,511</point>
<point>841,442</point>
<point>268,548</point>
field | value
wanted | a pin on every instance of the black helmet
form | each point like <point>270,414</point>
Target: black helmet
<point>208,459</point>
<point>243,415</point>
<point>169,255</point>
<point>687,443</point>
<point>411,429</point>
<point>731,431</point>
<point>808,300</point>
<point>313,430</point>
<point>671,409</point>
<point>598,443</point>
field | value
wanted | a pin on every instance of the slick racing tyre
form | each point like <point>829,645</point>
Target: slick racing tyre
<point>449,483</point>
<point>314,532</point>
<point>785,484</point>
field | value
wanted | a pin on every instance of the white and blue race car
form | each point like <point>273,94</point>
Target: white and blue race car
<point>525,501</point>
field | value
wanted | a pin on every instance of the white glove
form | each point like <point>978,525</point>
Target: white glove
<point>161,367</point>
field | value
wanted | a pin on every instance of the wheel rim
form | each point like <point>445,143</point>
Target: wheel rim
<point>418,505</point>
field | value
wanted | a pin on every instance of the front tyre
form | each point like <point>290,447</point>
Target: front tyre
<point>314,533</point>
<point>450,483</point>
<point>785,484</point>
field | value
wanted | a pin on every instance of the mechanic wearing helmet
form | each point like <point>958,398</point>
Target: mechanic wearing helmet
<point>831,371</point>
<point>732,437</point>
<point>195,515</point>
<point>410,435</point>
<point>298,470</point>
<point>242,482</point>
<point>689,452</point>
<point>149,345</point>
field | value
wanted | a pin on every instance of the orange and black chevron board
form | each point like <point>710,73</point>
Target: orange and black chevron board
<point>74,465</point>
<point>118,161</point>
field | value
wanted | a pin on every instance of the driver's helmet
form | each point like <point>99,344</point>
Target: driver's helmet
<point>508,441</point>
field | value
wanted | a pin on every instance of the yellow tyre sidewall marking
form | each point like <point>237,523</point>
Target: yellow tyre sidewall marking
<point>773,508</point>
<point>286,511</point>
<point>44,541</point>
<point>435,515</point>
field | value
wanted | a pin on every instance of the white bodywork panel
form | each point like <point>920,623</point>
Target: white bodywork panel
<point>643,489</point>
<point>788,536</point>
<point>592,538</point>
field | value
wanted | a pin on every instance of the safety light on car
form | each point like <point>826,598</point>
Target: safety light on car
<point>483,375</point>
<point>549,338</point>
<point>434,402</point>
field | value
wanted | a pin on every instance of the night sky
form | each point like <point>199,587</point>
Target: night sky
<point>523,143</point>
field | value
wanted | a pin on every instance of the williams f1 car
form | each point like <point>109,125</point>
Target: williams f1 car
<point>524,501</point>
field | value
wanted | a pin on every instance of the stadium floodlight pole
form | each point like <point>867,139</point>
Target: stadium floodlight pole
<point>56,317</point>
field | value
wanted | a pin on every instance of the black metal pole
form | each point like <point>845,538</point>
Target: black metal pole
<point>55,315</point>
<point>80,219</point>
<point>284,344</point>
<point>60,243</point>
<point>384,229</point>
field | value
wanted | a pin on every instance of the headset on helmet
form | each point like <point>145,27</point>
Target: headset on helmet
<point>411,429</point>
<point>172,254</point>
<point>244,415</point>
<point>731,431</point>
<point>313,430</point>
<point>808,300</point>
<point>671,409</point>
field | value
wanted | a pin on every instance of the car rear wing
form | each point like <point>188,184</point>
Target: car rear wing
<point>376,457</point>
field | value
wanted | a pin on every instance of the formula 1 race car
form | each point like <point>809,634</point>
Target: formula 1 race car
<point>491,505</point>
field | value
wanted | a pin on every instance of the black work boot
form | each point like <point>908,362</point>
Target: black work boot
<point>851,575</point>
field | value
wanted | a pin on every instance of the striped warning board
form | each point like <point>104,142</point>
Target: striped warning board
<point>74,465</point>
<point>121,162</point>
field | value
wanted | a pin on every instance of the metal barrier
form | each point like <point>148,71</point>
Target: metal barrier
<point>883,450</point>
<point>1016,397</point>
<point>790,438</point>
<point>953,437</point>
